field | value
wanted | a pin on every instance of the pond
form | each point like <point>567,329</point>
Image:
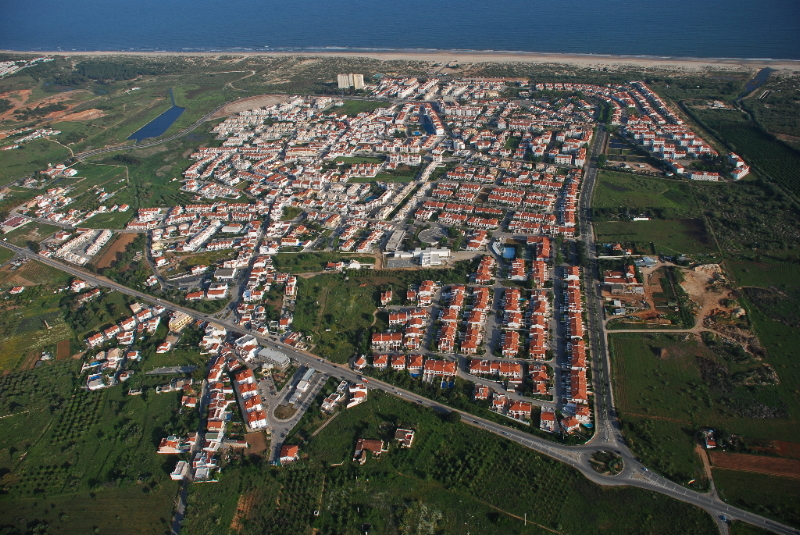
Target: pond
<point>160,124</point>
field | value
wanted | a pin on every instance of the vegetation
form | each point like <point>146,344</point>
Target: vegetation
<point>770,496</point>
<point>669,237</point>
<point>623,195</point>
<point>73,449</point>
<point>314,262</point>
<point>354,107</point>
<point>770,157</point>
<point>454,474</point>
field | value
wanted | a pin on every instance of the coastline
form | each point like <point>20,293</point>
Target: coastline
<point>470,56</point>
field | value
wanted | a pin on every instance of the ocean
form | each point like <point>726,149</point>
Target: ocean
<point>676,28</point>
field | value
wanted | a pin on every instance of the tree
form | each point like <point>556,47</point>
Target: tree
<point>453,417</point>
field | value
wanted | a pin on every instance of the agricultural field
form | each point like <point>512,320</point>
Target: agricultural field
<point>64,443</point>
<point>29,158</point>
<point>113,220</point>
<point>770,157</point>
<point>454,474</point>
<point>669,237</point>
<point>628,194</point>
<point>763,274</point>
<point>773,497</point>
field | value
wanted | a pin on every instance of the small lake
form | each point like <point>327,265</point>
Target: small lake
<point>160,124</point>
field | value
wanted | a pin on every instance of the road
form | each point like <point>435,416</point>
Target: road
<point>607,436</point>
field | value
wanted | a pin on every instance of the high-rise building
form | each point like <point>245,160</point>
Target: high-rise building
<point>358,81</point>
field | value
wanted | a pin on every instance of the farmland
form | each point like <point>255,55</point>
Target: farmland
<point>112,220</point>
<point>764,273</point>
<point>453,474</point>
<point>75,448</point>
<point>669,237</point>
<point>625,193</point>
<point>776,160</point>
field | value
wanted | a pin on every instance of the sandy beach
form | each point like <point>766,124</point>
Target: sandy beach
<point>447,56</point>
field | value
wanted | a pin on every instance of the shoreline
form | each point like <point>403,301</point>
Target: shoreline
<point>464,56</point>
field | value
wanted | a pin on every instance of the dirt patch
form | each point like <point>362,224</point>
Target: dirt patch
<point>119,246</point>
<point>62,349</point>
<point>85,115</point>
<point>256,443</point>
<point>249,103</point>
<point>284,412</point>
<point>243,507</point>
<point>773,466</point>
<point>30,361</point>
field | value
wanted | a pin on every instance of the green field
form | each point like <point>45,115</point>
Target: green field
<point>75,448</point>
<point>455,479</point>
<point>668,237</point>
<point>30,158</point>
<point>625,193</point>
<point>770,496</point>
<point>337,313</point>
<point>32,232</point>
<point>764,274</point>
<point>6,255</point>
<point>649,369</point>
<point>775,159</point>
<point>111,220</point>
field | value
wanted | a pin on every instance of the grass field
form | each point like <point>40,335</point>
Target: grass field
<point>650,369</point>
<point>454,479</point>
<point>112,220</point>
<point>669,237</point>
<point>29,158</point>
<point>773,497</point>
<point>764,274</point>
<point>33,232</point>
<point>655,197</point>
<point>338,313</point>
<point>5,255</point>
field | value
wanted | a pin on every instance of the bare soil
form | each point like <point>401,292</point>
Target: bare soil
<point>85,115</point>
<point>62,349</point>
<point>119,246</point>
<point>759,464</point>
<point>257,443</point>
<point>249,103</point>
<point>246,503</point>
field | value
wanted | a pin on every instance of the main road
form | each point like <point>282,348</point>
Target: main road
<point>606,437</point>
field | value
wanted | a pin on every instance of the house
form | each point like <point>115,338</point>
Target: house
<point>547,421</point>
<point>358,395</point>
<point>289,453</point>
<point>405,437</point>
<point>521,410</point>
<point>482,392</point>
<point>364,445</point>
<point>386,297</point>
<point>380,362</point>
<point>570,424</point>
<point>16,290</point>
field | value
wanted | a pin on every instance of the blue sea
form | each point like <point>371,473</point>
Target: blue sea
<point>677,28</point>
